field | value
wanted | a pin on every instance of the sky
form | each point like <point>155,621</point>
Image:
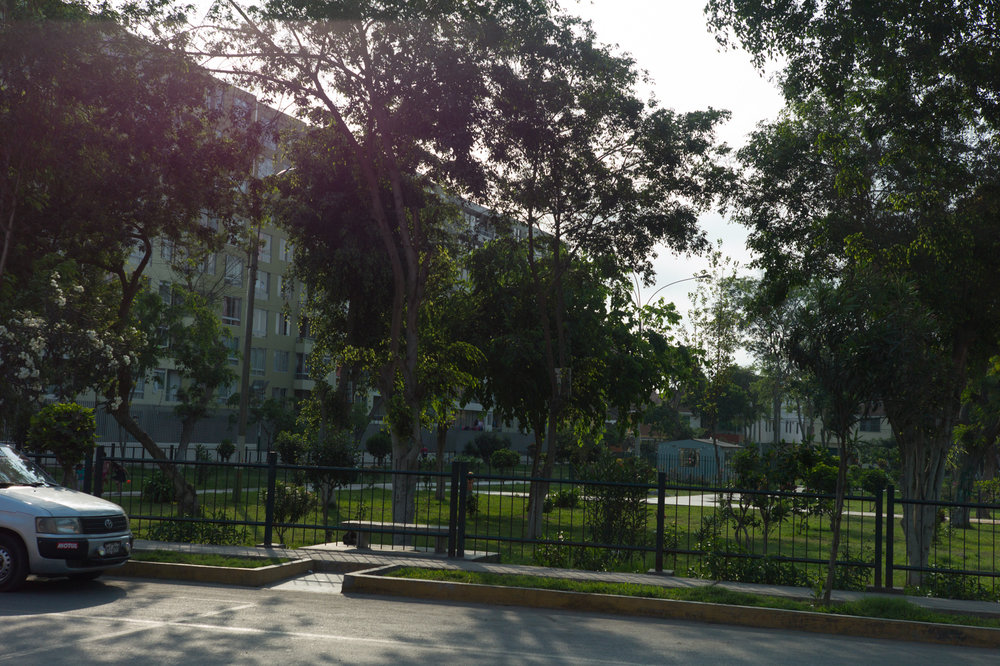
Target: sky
<point>670,40</point>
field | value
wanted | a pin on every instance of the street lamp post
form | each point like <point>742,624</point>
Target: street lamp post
<point>639,305</point>
<point>700,276</point>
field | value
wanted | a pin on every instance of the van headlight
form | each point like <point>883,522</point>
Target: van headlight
<point>58,526</point>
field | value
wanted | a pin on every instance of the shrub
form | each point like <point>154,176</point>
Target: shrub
<point>822,478</point>
<point>504,459</point>
<point>615,511</point>
<point>158,489</point>
<point>201,455</point>
<point>379,446</point>
<point>955,586</point>
<point>291,503</point>
<point>68,430</point>
<point>220,533</point>
<point>225,450</point>
<point>568,498</point>
<point>488,442</point>
<point>471,451</point>
<point>873,481</point>
<point>725,560</point>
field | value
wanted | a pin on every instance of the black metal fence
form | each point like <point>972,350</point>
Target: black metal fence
<point>712,532</point>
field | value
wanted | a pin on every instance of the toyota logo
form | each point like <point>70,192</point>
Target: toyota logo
<point>108,523</point>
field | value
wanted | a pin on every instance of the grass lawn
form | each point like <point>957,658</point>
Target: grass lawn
<point>172,557</point>
<point>875,607</point>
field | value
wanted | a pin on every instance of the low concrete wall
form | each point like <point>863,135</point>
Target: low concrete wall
<point>374,582</point>
<point>255,577</point>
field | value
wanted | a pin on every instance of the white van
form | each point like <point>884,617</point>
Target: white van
<point>49,530</point>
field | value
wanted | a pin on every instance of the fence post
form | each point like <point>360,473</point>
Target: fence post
<point>890,528</point>
<point>272,476</point>
<point>456,481</point>
<point>96,482</point>
<point>878,538</point>
<point>661,496</point>
<point>463,499</point>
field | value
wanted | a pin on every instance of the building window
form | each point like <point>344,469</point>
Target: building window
<point>167,250</point>
<point>264,252</point>
<point>159,379</point>
<point>279,394</point>
<point>257,388</point>
<point>226,390</point>
<point>173,385</point>
<point>258,357</point>
<point>689,457</point>
<point>232,309</point>
<point>234,270</point>
<point>304,328</point>
<point>139,390</point>
<point>281,361</point>
<point>259,323</point>
<point>286,250</point>
<point>233,345</point>
<point>162,337</point>
<point>872,424</point>
<point>282,326</point>
<point>285,287</point>
<point>165,292</point>
<point>263,284</point>
<point>301,371</point>
<point>208,264</point>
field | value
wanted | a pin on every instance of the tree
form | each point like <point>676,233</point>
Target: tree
<point>146,163</point>
<point>342,262</point>
<point>590,171</point>
<point>616,364</point>
<point>184,329</point>
<point>379,446</point>
<point>976,437</point>
<point>836,338</point>
<point>68,430</point>
<point>716,330</point>
<point>402,87</point>
<point>887,158</point>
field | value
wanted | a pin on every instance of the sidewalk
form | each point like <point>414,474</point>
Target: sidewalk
<point>334,559</point>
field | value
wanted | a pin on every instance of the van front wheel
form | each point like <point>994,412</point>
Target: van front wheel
<point>13,563</point>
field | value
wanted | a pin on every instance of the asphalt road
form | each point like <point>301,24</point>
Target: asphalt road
<point>132,621</point>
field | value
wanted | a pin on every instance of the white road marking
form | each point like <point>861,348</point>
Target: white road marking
<point>180,624</point>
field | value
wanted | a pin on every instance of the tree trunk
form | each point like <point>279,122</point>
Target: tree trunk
<point>442,440</point>
<point>404,486</point>
<point>184,492</point>
<point>961,515</point>
<point>539,489</point>
<point>923,472</point>
<point>195,414</point>
<point>835,519</point>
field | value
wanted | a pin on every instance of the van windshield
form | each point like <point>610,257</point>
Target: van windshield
<point>16,470</point>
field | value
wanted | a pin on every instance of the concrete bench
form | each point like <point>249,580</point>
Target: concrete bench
<point>363,529</point>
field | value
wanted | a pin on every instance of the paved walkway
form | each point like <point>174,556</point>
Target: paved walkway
<point>334,559</point>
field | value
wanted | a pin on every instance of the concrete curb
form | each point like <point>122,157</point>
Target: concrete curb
<point>200,573</point>
<point>373,581</point>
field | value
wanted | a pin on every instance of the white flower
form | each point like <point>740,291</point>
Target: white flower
<point>116,403</point>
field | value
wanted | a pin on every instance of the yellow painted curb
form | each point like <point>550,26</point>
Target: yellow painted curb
<point>208,574</point>
<point>370,582</point>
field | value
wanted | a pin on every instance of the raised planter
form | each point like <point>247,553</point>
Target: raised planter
<point>201,573</point>
<point>373,581</point>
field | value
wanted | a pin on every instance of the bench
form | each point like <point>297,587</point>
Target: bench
<point>363,529</point>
